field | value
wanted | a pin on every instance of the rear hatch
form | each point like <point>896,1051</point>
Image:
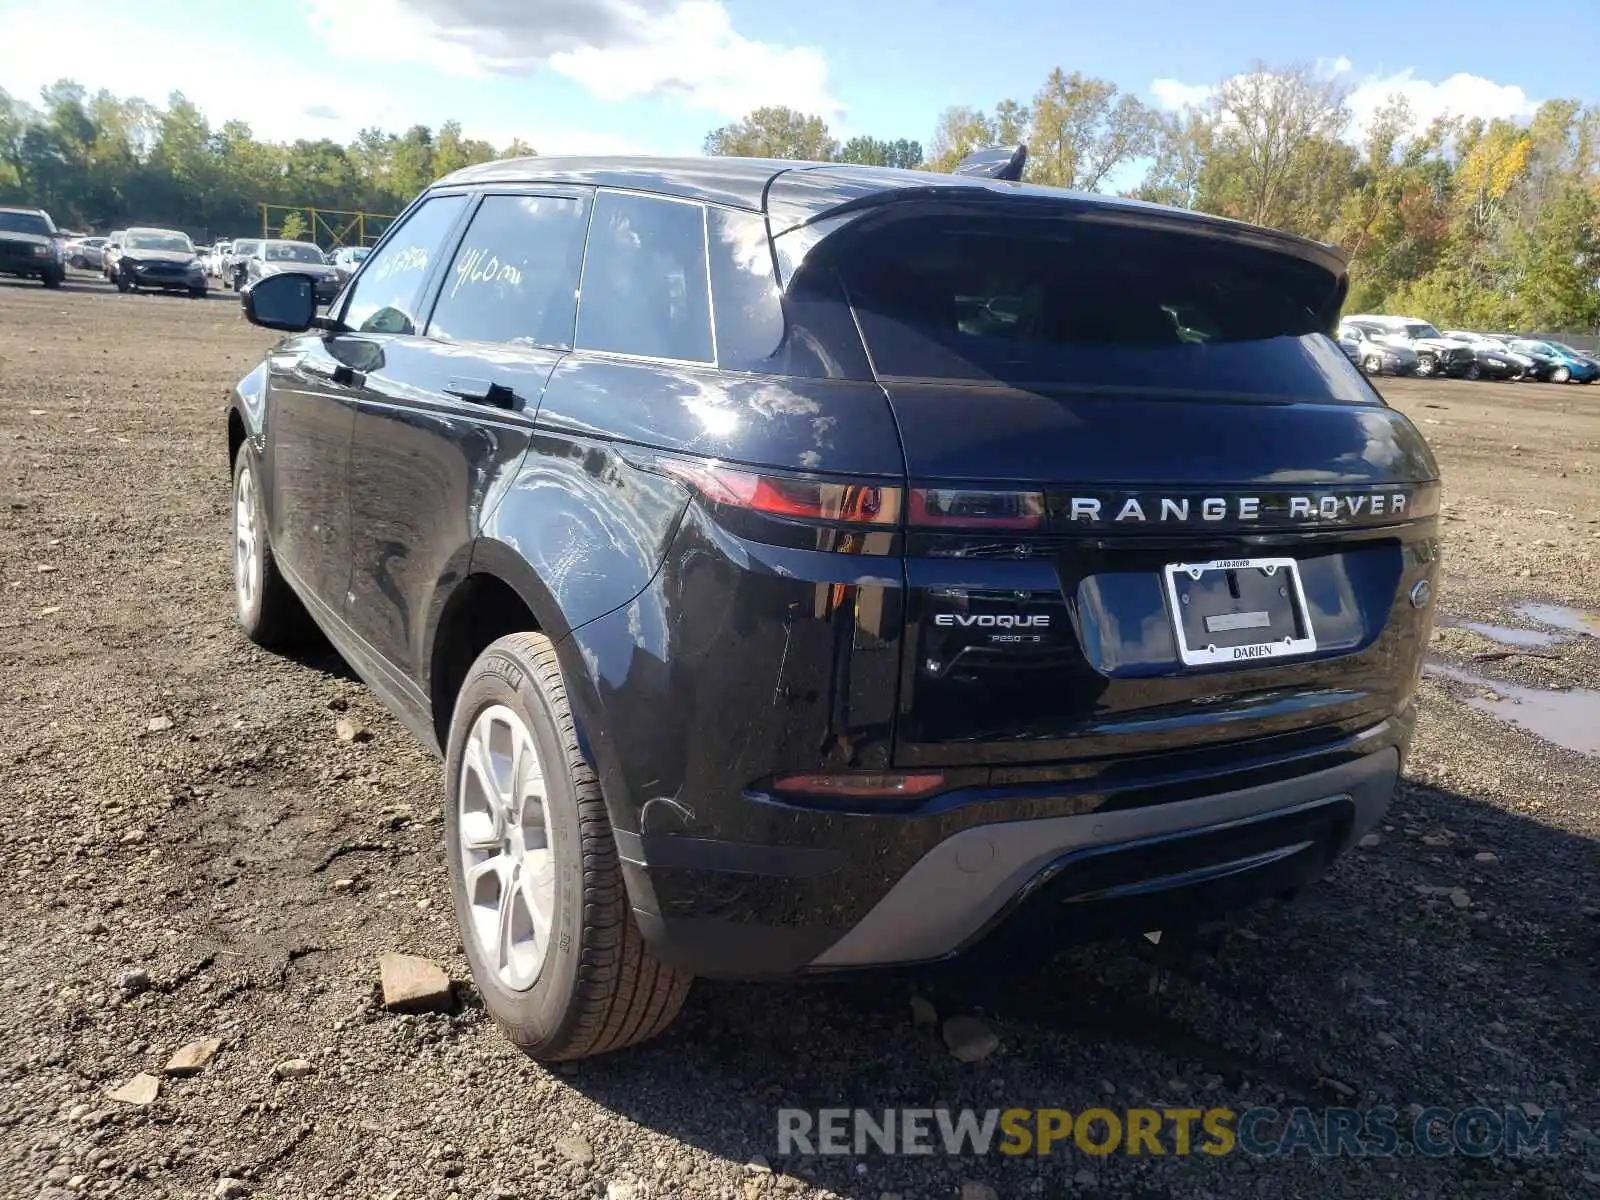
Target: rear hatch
<point>1153,506</point>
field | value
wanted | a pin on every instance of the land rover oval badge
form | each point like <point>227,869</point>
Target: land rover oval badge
<point>1420,594</point>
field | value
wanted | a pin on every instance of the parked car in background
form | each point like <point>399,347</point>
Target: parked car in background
<point>346,259</point>
<point>1370,348</point>
<point>1580,357</point>
<point>233,268</point>
<point>158,258</point>
<point>109,252</point>
<point>1436,354</point>
<point>1557,363</point>
<point>87,254</point>
<point>1492,359</point>
<point>732,575</point>
<point>305,258</point>
<point>29,247</point>
<point>217,259</point>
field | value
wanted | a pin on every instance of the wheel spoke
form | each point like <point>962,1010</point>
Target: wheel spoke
<point>503,847</point>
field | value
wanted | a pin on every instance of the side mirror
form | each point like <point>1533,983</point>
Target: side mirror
<point>285,301</point>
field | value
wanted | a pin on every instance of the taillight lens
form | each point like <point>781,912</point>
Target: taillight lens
<point>960,509</point>
<point>853,785</point>
<point>780,496</point>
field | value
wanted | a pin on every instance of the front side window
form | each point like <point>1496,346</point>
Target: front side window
<point>514,278</point>
<point>386,296</point>
<point>644,279</point>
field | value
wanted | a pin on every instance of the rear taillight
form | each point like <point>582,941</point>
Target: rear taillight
<point>959,509</point>
<point>858,785</point>
<point>782,496</point>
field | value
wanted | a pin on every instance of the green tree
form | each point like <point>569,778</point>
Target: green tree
<point>774,132</point>
<point>872,152</point>
<point>1082,130</point>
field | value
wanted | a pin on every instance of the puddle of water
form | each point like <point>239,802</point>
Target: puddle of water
<point>1559,616</point>
<point>1570,719</point>
<point>1506,635</point>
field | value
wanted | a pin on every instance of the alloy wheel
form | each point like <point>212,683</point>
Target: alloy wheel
<point>246,541</point>
<point>506,857</point>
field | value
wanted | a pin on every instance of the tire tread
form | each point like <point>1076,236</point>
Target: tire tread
<point>624,994</point>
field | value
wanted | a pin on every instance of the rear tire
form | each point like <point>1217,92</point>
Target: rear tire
<point>530,831</point>
<point>270,614</point>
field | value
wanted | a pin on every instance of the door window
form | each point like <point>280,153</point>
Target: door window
<point>386,296</point>
<point>514,278</point>
<point>644,279</point>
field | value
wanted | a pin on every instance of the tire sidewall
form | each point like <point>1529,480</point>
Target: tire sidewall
<point>540,1014</point>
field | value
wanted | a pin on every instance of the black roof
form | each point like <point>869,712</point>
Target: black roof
<point>794,193</point>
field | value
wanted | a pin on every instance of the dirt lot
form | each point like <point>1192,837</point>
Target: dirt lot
<point>187,850</point>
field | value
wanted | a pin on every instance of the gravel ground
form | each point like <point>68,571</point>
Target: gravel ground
<point>189,850</point>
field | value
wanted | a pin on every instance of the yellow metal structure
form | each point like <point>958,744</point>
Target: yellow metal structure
<point>329,228</point>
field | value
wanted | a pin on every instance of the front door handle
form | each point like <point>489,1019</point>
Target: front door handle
<point>335,372</point>
<point>482,391</point>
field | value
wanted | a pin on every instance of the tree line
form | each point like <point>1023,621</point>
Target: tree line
<point>1487,224</point>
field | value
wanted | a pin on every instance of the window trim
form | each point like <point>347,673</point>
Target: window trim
<point>711,364</point>
<point>476,196</point>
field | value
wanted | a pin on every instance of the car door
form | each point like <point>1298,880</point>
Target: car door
<point>314,383</point>
<point>448,415</point>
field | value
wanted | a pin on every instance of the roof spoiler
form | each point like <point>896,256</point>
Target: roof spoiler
<point>996,163</point>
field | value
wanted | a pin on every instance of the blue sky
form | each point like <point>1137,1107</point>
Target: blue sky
<point>655,75</point>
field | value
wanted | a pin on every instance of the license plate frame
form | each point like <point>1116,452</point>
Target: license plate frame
<point>1301,641</point>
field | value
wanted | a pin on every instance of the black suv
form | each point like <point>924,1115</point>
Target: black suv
<point>807,566</point>
<point>30,246</point>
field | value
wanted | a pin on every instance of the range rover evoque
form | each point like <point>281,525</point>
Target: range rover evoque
<point>804,567</point>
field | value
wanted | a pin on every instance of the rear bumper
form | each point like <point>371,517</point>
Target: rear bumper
<point>740,910</point>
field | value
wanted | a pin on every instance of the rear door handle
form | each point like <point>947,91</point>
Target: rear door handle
<point>482,391</point>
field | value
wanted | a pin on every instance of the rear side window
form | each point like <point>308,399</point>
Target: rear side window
<point>514,278</point>
<point>1038,303</point>
<point>644,279</point>
<point>386,295</point>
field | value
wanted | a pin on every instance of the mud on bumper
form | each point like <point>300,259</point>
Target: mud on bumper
<point>755,911</point>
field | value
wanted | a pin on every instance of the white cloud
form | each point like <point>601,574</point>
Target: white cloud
<point>1173,95</point>
<point>1461,95</point>
<point>118,57</point>
<point>615,49</point>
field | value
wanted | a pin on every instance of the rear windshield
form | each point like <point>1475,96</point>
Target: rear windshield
<point>24,222</point>
<point>1062,303</point>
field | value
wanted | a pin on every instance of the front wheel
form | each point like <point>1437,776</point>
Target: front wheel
<point>1560,375</point>
<point>54,279</point>
<point>125,282</point>
<point>1372,365</point>
<point>539,898</point>
<point>1424,367</point>
<point>1474,371</point>
<point>199,293</point>
<point>270,614</point>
